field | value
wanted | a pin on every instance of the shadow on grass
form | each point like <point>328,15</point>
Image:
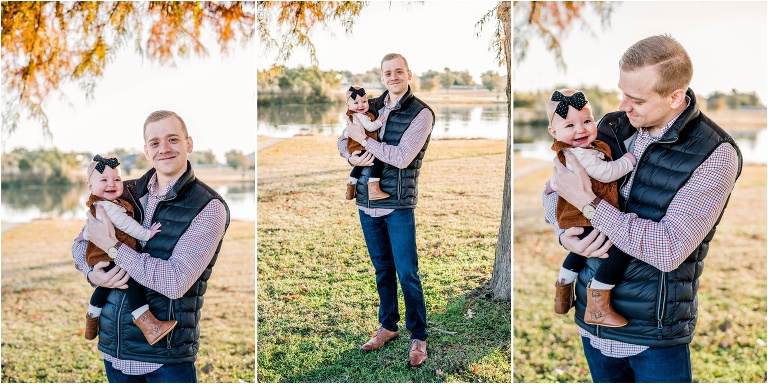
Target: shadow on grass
<point>469,341</point>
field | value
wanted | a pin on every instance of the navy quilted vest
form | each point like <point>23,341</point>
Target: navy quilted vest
<point>401,184</point>
<point>661,306</point>
<point>118,336</point>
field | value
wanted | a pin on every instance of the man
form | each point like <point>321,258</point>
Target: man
<point>687,166</point>
<point>389,225</point>
<point>174,265</point>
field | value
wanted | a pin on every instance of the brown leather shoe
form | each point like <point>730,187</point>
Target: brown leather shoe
<point>91,327</point>
<point>564,298</point>
<point>351,191</point>
<point>599,310</point>
<point>417,354</point>
<point>153,328</point>
<point>379,338</point>
<point>374,192</point>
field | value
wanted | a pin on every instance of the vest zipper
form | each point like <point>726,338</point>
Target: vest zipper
<point>141,208</point>
<point>119,316</point>
<point>662,300</point>
<point>170,317</point>
<point>612,127</point>
<point>399,180</point>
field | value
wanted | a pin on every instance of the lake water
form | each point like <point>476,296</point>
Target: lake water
<point>535,142</point>
<point>485,121</point>
<point>24,204</point>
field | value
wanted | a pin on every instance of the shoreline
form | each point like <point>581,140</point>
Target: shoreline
<point>6,226</point>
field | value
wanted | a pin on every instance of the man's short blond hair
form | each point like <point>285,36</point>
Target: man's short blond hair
<point>161,115</point>
<point>669,59</point>
<point>392,56</point>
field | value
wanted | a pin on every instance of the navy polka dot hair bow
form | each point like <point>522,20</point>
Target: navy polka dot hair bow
<point>577,100</point>
<point>102,162</point>
<point>360,92</point>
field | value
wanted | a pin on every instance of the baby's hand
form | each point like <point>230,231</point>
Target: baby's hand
<point>154,229</point>
<point>631,158</point>
<point>548,188</point>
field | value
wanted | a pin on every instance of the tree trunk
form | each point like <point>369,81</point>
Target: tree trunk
<point>501,279</point>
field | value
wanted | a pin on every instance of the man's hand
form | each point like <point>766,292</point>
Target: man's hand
<point>575,187</point>
<point>364,161</point>
<point>100,233</point>
<point>593,245</point>
<point>114,278</point>
<point>355,131</point>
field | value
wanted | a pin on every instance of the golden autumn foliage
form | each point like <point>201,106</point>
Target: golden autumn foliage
<point>47,44</point>
<point>286,25</point>
<point>550,20</point>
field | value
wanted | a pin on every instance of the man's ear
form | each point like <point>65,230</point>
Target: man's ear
<point>677,98</point>
<point>190,144</point>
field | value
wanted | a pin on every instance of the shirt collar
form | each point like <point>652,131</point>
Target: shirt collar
<point>152,186</point>
<point>387,100</point>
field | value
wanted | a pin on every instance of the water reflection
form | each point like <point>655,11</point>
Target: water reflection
<point>535,142</point>
<point>24,204</point>
<point>487,121</point>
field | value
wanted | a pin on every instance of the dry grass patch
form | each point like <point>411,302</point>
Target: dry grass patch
<point>44,300</point>
<point>730,341</point>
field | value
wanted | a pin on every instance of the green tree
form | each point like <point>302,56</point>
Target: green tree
<point>492,80</point>
<point>48,44</point>
<point>298,86</point>
<point>429,84</point>
<point>446,79</point>
<point>203,157</point>
<point>463,78</point>
<point>236,159</point>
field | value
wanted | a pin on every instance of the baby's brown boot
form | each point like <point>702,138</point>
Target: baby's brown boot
<point>153,328</point>
<point>351,191</point>
<point>91,326</point>
<point>564,299</point>
<point>599,310</point>
<point>374,192</point>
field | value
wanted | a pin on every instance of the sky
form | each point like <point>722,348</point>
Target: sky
<point>431,35</point>
<point>215,95</point>
<point>727,43</point>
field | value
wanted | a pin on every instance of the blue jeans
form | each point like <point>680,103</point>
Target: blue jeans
<point>654,365</point>
<point>168,373</point>
<point>391,242</point>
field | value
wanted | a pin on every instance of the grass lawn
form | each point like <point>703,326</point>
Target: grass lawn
<point>317,301</point>
<point>44,300</point>
<point>730,340</point>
